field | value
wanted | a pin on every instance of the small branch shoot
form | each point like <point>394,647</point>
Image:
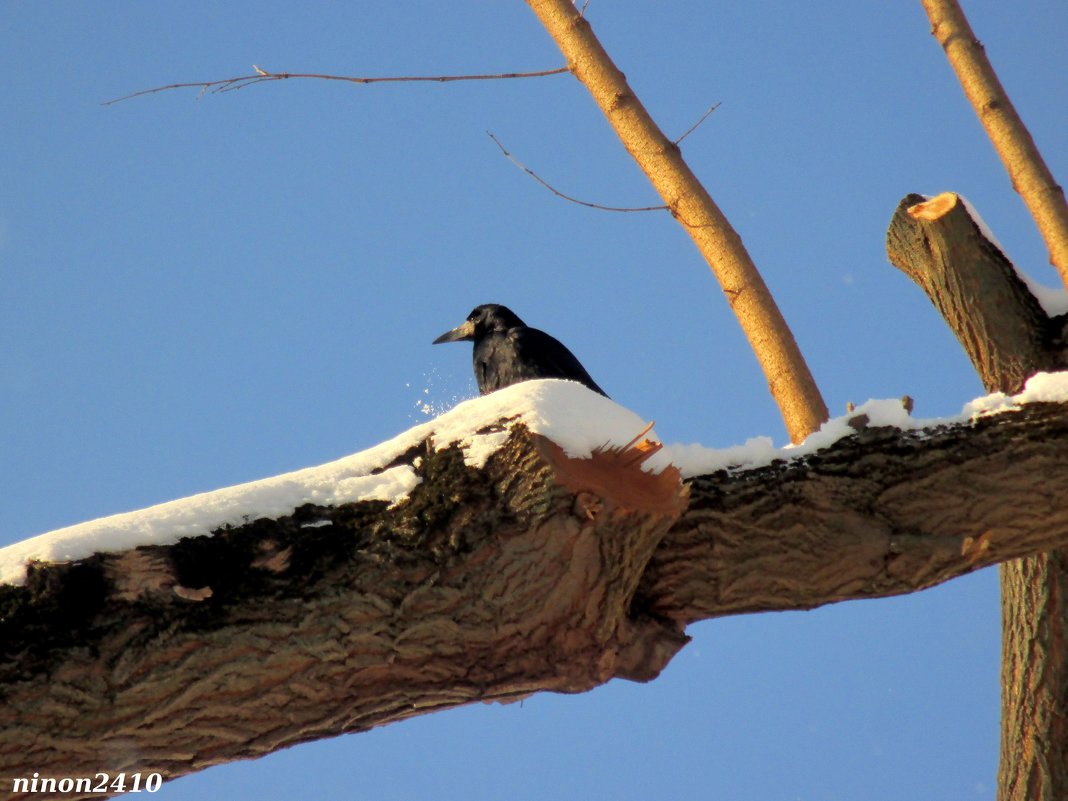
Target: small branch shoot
<point>263,76</point>
<point>697,124</point>
<point>560,194</point>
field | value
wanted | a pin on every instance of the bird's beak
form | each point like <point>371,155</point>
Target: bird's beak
<point>461,333</point>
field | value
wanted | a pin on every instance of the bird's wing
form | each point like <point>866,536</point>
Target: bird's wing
<point>544,356</point>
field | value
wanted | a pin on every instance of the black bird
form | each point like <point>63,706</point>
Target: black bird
<point>507,351</point>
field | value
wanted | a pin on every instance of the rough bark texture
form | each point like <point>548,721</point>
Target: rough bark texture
<point>1034,739</point>
<point>536,572</point>
<point>997,320</point>
<point>884,513</point>
<point>485,585</point>
<point>1008,338</point>
<point>661,160</point>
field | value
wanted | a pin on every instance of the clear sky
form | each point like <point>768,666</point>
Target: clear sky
<point>201,292</point>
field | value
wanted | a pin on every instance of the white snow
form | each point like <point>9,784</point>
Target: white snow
<point>695,460</point>
<point>1040,388</point>
<point>566,412</point>
<point>980,223</point>
<point>1053,300</point>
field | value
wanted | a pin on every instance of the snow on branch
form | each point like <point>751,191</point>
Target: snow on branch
<point>579,421</point>
<point>541,541</point>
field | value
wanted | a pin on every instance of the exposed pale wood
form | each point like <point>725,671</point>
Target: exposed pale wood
<point>485,585</point>
<point>997,320</point>
<point>935,208</point>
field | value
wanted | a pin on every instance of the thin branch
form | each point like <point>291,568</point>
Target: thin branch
<point>1030,176</point>
<point>789,379</point>
<point>560,194</point>
<point>697,124</point>
<point>262,76</point>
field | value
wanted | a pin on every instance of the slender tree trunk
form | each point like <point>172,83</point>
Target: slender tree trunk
<point>1027,169</point>
<point>789,379</point>
<point>1034,678</point>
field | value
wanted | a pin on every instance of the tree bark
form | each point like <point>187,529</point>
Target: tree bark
<point>789,379</point>
<point>997,320</point>
<point>483,585</point>
<point>883,513</point>
<point>535,572</point>
<point>1008,338</point>
<point>1034,738</point>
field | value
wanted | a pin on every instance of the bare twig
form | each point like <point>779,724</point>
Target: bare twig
<point>1030,176</point>
<point>697,124</point>
<point>262,76</point>
<point>560,194</point>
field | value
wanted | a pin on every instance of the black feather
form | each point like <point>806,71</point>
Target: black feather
<point>508,351</point>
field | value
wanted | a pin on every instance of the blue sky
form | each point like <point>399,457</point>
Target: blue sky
<point>196,293</point>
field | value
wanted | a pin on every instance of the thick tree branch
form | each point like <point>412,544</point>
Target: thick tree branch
<point>1026,167</point>
<point>536,572</point>
<point>485,584</point>
<point>788,376</point>
<point>882,513</point>
<point>997,320</point>
<point>1008,337</point>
